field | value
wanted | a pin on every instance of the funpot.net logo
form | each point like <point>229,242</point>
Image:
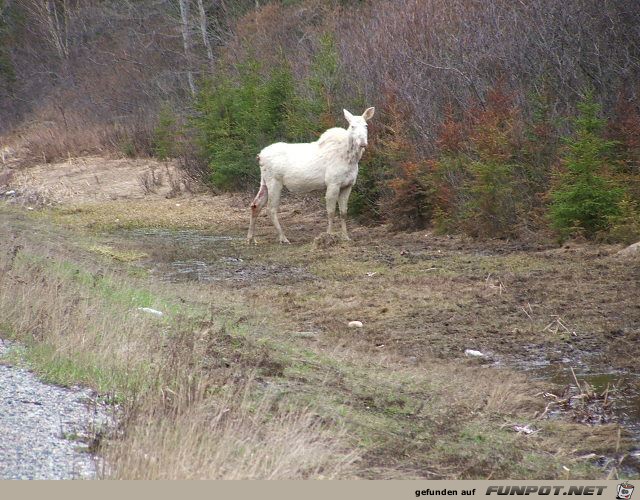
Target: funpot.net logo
<point>625,490</point>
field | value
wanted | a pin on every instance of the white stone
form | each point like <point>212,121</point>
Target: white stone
<point>630,250</point>
<point>472,353</point>
<point>151,311</point>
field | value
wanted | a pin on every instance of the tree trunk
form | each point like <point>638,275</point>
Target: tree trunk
<point>186,42</point>
<point>205,34</point>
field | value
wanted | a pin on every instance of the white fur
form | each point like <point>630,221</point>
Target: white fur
<point>331,162</point>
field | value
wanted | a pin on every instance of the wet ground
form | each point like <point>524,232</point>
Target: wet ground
<point>177,257</point>
<point>595,397</point>
<point>545,310</point>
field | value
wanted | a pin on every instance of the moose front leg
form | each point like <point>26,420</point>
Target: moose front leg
<point>331,197</point>
<point>343,199</point>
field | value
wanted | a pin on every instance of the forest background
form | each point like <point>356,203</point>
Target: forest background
<point>496,119</point>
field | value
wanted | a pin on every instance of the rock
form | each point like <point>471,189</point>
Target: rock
<point>355,324</point>
<point>473,354</point>
<point>151,311</point>
<point>630,251</point>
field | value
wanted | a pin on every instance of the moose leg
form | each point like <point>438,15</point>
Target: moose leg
<point>275,189</point>
<point>257,205</point>
<point>331,197</point>
<point>343,199</point>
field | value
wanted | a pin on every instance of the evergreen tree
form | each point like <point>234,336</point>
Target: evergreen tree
<point>585,199</point>
<point>236,119</point>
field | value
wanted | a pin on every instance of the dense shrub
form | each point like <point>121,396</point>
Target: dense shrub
<point>624,224</point>
<point>411,206</point>
<point>236,118</point>
<point>624,130</point>
<point>585,199</point>
<point>407,201</point>
<point>480,173</point>
<point>250,106</point>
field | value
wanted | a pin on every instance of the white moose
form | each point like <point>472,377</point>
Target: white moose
<point>331,162</point>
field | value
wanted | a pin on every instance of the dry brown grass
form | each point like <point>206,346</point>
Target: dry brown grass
<point>49,139</point>
<point>233,436</point>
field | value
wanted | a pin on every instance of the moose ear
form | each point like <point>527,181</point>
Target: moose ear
<point>348,115</point>
<point>368,114</point>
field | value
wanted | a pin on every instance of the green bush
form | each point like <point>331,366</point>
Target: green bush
<point>240,113</point>
<point>585,199</point>
<point>236,118</point>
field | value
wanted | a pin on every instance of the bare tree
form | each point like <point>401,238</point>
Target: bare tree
<point>205,33</point>
<point>52,18</point>
<point>186,42</point>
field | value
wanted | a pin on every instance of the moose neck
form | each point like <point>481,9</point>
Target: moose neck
<point>354,153</point>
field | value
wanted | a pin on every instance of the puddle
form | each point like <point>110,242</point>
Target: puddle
<point>193,256</point>
<point>185,236</point>
<point>182,271</point>
<point>616,398</point>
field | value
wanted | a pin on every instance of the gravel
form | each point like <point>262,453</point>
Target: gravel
<point>45,429</point>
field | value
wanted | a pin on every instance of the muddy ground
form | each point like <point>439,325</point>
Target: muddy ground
<point>536,306</point>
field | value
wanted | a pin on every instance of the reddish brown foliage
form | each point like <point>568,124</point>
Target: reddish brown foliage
<point>624,128</point>
<point>451,133</point>
<point>481,180</point>
<point>409,206</point>
<point>495,127</point>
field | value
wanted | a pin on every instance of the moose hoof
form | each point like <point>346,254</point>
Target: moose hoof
<point>284,241</point>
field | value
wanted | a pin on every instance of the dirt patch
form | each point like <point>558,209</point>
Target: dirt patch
<point>93,179</point>
<point>421,294</point>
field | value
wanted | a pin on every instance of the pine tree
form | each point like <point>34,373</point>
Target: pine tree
<point>584,198</point>
<point>237,117</point>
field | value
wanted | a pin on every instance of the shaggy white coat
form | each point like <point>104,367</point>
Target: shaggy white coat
<point>329,163</point>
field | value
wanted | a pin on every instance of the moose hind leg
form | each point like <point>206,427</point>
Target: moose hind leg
<point>343,199</point>
<point>275,189</point>
<point>257,205</point>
